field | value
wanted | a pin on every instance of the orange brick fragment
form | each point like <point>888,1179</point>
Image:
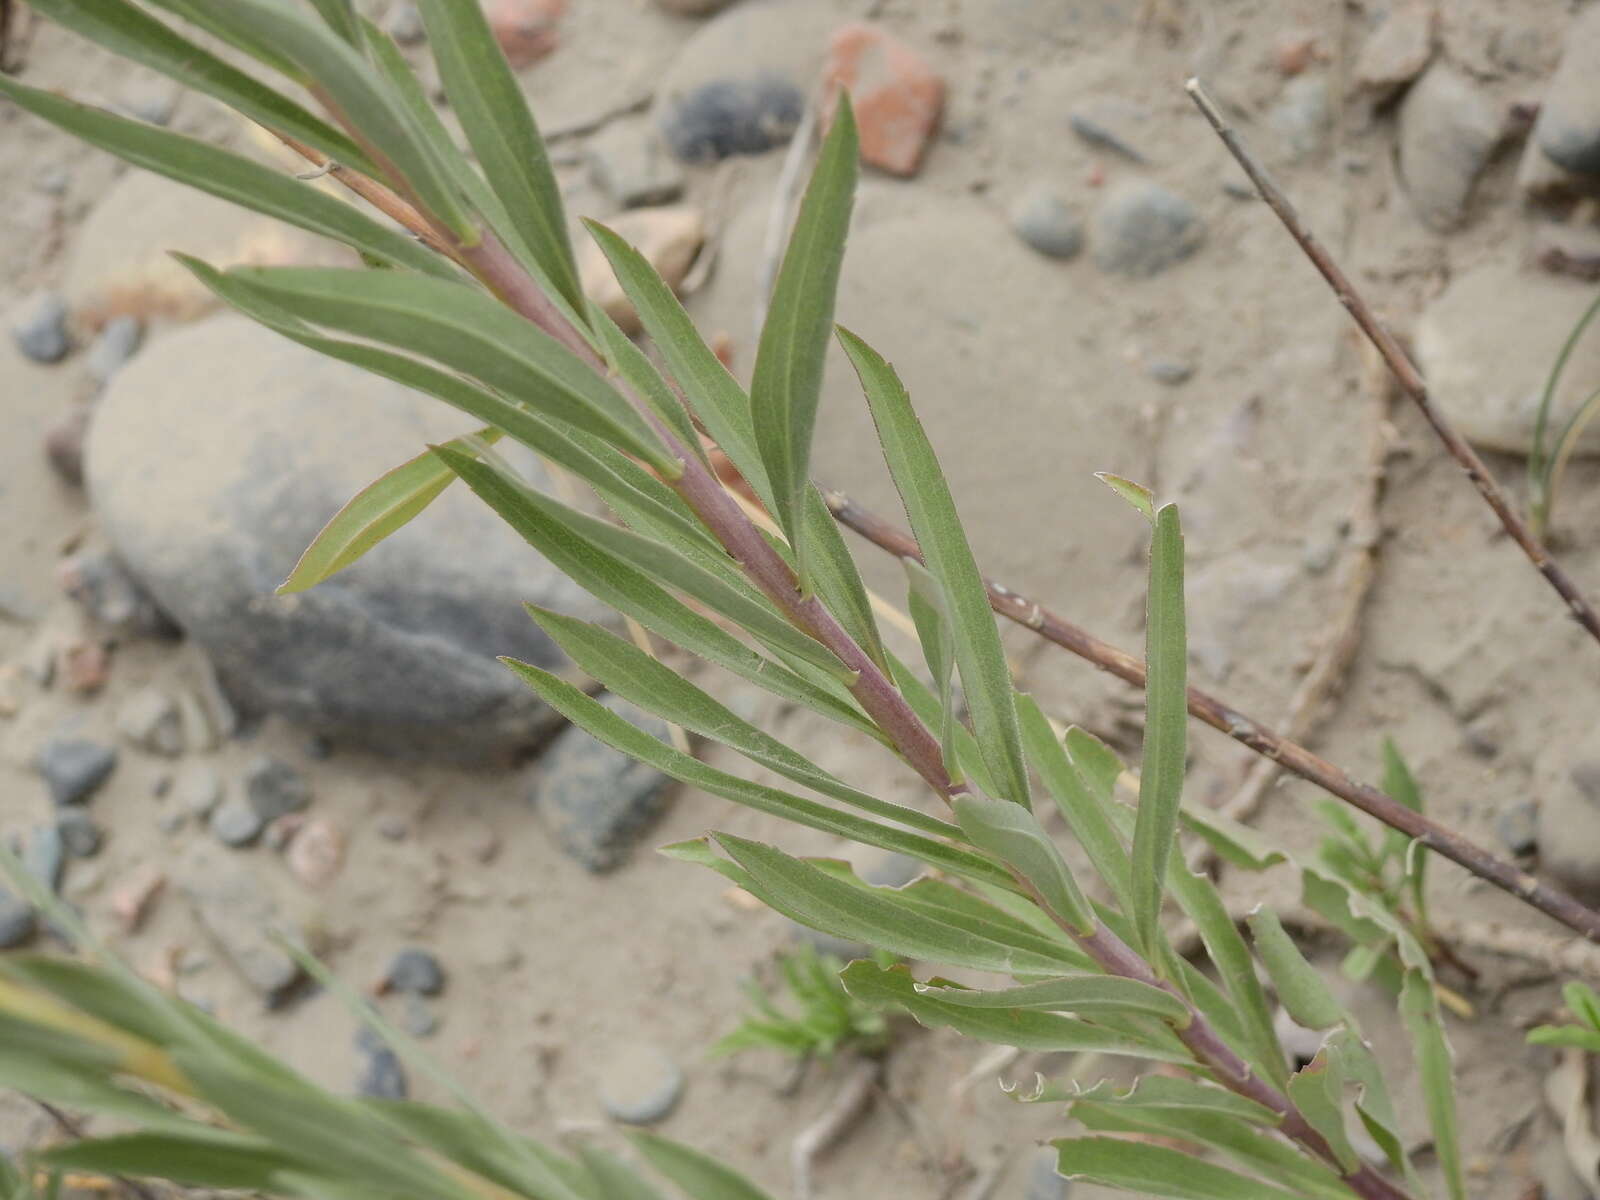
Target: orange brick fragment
<point>896,93</point>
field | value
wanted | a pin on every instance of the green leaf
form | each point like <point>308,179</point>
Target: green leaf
<point>621,734</point>
<point>1135,494</point>
<point>1300,988</point>
<point>1097,764</point>
<point>1399,782</point>
<point>636,370</point>
<point>481,1145</point>
<point>229,176</point>
<point>1317,1090</point>
<point>344,76</point>
<point>1013,834</point>
<point>209,1158</point>
<point>1043,951</point>
<point>1166,728</point>
<point>700,1177</point>
<point>203,15</point>
<point>1164,1092</point>
<point>834,576</point>
<point>1084,995</point>
<point>386,504</point>
<point>1419,1009</point>
<point>1582,1003</point>
<point>985,677</point>
<point>1373,1104</point>
<point>131,33</point>
<point>502,132</point>
<point>787,380</point>
<point>1158,1171</point>
<point>1565,1035</point>
<point>930,613</point>
<point>465,329</point>
<point>713,394</point>
<point>614,1179</point>
<point>1233,841</point>
<point>1083,810</point>
<point>1025,1028</point>
<point>340,16</point>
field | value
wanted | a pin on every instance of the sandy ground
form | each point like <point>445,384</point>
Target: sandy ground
<point>1031,375</point>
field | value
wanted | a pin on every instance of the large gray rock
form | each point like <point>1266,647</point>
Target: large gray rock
<point>1449,128</point>
<point>1568,129</point>
<point>215,458</point>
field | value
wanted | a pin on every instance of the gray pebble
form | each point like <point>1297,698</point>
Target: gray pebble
<point>53,181</point>
<point>1140,229</point>
<point>1568,129</point>
<point>415,970</point>
<point>274,789</point>
<point>116,343</point>
<point>1044,220</point>
<point>1302,117</point>
<point>403,22</point>
<point>17,921</point>
<point>640,1085</point>
<point>417,1018</point>
<point>79,834</point>
<point>46,856</point>
<point>1170,371</point>
<point>382,1075</point>
<point>1518,828</point>
<point>733,116</point>
<point>197,788</point>
<point>40,328</point>
<point>74,767</point>
<point>1449,128</point>
<point>235,822</point>
<point>1092,128</point>
<point>242,919</point>
<point>1042,1180</point>
<point>149,720</point>
<point>628,162</point>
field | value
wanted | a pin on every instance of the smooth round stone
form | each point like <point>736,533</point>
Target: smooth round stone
<point>1140,229</point>
<point>235,823</point>
<point>1044,220</point>
<point>640,1085</point>
<point>74,767</point>
<point>416,971</point>
<point>39,328</point>
<point>1568,129</point>
<point>80,836</point>
<point>382,1076</point>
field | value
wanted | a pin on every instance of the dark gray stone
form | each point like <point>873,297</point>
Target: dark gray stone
<point>416,971</point>
<point>396,652</point>
<point>1170,371</point>
<point>1141,229</point>
<point>274,789</point>
<point>235,822</point>
<point>595,800</point>
<point>1518,828</point>
<point>417,1018</point>
<point>1044,220</point>
<point>74,767</point>
<point>116,343</point>
<point>732,116</point>
<point>18,923</point>
<point>628,162</point>
<point>382,1075</point>
<point>39,328</point>
<point>1568,128</point>
<point>81,837</point>
<point>46,856</point>
<point>640,1085</point>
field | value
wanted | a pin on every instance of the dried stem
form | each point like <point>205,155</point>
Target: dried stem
<point>1220,716</point>
<point>846,1107</point>
<point>1405,371</point>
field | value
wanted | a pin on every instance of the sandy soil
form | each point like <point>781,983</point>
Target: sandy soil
<point>1031,376</point>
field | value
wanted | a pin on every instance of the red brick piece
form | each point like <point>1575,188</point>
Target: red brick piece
<point>525,29</point>
<point>896,93</point>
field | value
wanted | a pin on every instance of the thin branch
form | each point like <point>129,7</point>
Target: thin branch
<point>1405,371</point>
<point>1223,717</point>
<point>816,1139</point>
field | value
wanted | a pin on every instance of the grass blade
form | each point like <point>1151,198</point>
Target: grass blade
<point>340,16</point>
<point>787,381</point>
<point>700,1177</point>
<point>985,678</point>
<point>1166,728</point>
<point>1419,1008</point>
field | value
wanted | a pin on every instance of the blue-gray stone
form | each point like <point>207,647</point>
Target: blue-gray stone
<point>1044,220</point>
<point>274,789</point>
<point>640,1085</point>
<point>236,823</point>
<point>1141,229</point>
<point>74,767</point>
<point>80,836</point>
<point>731,116</point>
<point>46,856</point>
<point>40,329</point>
<point>382,1075</point>
<point>116,343</point>
<point>416,971</point>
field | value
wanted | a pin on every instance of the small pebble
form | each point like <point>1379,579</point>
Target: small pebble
<point>1092,129</point>
<point>1302,117</point>
<point>274,789</point>
<point>628,162</point>
<point>235,822</point>
<point>85,665</point>
<point>525,29</point>
<point>316,852</point>
<point>416,971</point>
<point>132,899</point>
<point>148,719</point>
<point>17,921</point>
<point>153,101</point>
<point>1518,828</point>
<point>640,1085</point>
<point>39,328</point>
<point>382,1076</point>
<point>403,22</point>
<point>113,347</point>
<point>74,767</point>
<point>319,747</point>
<point>46,856</point>
<point>1140,229</point>
<point>1170,371</point>
<point>896,94</point>
<point>1568,129</point>
<point>79,834</point>
<point>1044,220</point>
<point>417,1018</point>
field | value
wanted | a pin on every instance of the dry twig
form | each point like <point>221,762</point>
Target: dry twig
<point>851,1100</point>
<point>1405,372</point>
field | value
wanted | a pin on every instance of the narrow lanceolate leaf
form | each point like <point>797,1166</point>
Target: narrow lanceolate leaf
<point>985,678</point>
<point>787,381</point>
<point>203,14</point>
<point>1134,493</point>
<point>1582,1003</point>
<point>1372,1101</point>
<point>930,613</point>
<point>713,394</point>
<point>350,84</point>
<point>231,177</point>
<point>834,577</point>
<point>634,367</point>
<point>495,117</point>
<point>1153,1170</point>
<point>1097,764</point>
<point>700,1177</point>
<point>207,1158</point>
<point>340,16</point>
<point>614,1179</point>
<point>1167,1093</point>
<point>1085,995</point>
<point>1302,991</point>
<point>1419,1008</point>
<point>467,330</point>
<point>620,734</point>
<point>1317,1091</point>
<point>639,678</point>
<point>1085,812</point>
<point>1166,726</point>
<point>1402,785</point>
<point>1013,835</point>
<point>131,33</point>
<point>1024,1028</point>
<point>386,504</point>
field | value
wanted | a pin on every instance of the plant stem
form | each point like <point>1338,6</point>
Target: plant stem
<point>1248,732</point>
<point>1405,371</point>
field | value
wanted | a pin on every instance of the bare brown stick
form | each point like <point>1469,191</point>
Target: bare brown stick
<point>1405,371</point>
<point>1359,568</point>
<point>816,1139</point>
<point>1223,717</point>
